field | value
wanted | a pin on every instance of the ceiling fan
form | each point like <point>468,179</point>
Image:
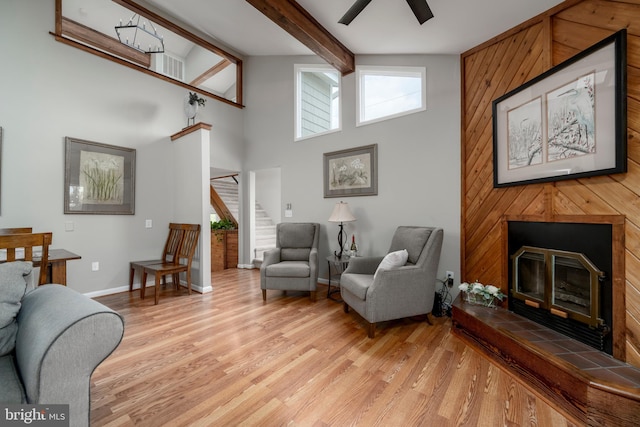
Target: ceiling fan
<point>420,9</point>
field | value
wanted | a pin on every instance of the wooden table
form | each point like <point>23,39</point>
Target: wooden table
<point>57,266</point>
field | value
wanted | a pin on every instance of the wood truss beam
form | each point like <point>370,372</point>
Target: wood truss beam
<point>295,20</point>
<point>111,45</point>
<point>210,72</point>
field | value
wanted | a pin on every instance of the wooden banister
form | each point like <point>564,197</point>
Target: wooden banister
<point>220,207</point>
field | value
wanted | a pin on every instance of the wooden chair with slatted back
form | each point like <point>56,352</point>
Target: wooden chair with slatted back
<point>26,241</point>
<point>184,259</point>
<point>171,247</point>
<point>19,230</point>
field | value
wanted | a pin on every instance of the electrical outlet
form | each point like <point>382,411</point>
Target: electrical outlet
<point>95,266</point>
<point>450,277</point>
<point>148,223</point>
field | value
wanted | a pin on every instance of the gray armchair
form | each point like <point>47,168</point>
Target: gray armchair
<point>293,264</point>
<point>395,293</point>
<point>51,341</point>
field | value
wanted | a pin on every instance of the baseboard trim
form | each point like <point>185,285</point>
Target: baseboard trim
<point>136,287</point>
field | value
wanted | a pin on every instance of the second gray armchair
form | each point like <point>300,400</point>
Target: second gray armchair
<point>381,294</point>
<point>293,264</point>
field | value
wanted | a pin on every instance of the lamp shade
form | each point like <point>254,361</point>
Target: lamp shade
<point>341,213</point>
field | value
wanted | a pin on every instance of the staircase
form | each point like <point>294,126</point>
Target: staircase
<point>227,189</point>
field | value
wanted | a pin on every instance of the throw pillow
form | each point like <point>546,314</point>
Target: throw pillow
<point>392,260</point>
<point>13,287</point>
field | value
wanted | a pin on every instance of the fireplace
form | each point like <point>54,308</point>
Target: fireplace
<point>560,277</point>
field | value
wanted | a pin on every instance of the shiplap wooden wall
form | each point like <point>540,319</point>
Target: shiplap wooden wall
<point>504,63</point>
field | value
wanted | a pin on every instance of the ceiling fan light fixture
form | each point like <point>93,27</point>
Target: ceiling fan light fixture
<point>421,10</point>
<point>354,11</point>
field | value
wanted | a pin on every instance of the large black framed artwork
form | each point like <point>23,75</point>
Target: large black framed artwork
<point>569,122</point>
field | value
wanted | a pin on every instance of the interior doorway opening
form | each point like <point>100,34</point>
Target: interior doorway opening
<point>265,202</point>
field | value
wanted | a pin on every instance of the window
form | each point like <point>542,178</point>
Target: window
<point>387,92</point>
<point>317,100</point>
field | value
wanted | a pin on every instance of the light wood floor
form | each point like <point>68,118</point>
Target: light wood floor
<point>227,359</point>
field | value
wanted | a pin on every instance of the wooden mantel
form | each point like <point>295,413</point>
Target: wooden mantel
<point>190,129</point>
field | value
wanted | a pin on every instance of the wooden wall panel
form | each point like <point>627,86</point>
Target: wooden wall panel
<point>504,63</point>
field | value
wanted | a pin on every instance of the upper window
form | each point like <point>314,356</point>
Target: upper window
<point>317,100</point>
<point>387,92</point>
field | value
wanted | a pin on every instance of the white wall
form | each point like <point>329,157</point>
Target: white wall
<point>49,90</point>
<point>418,155</point>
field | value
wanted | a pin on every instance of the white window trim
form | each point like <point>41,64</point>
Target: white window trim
<point>390,71</point>
<point>298,68</point>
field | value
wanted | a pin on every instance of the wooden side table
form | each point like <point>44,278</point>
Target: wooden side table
<point>337,265</point>
<point>57,266</point>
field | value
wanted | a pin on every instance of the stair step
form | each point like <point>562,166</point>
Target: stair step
<point>265,229</point>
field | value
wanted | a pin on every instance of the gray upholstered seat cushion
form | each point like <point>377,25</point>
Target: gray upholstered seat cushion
<point>412,239</point>
<point>13,287</point>
<point>289,269</point>
<point>11,390</point>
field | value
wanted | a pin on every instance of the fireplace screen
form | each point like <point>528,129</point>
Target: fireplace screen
<point>531,270</point>
<point>564,283</point>
<point>572,285</point>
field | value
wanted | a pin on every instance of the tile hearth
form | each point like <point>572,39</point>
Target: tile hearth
<point>588,360</point>
<point>591,386</point>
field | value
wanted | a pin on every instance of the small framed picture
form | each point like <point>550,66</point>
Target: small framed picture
<point>98,178</point>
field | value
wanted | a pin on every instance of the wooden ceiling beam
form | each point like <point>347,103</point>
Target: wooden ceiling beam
<point>295,20</point>
<point>210,72</point>
<point>101,41</point>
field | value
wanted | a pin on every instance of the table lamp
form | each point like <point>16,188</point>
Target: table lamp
<point>341,214</point>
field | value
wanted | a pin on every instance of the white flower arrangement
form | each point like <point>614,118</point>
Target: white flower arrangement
<point>481,294</point>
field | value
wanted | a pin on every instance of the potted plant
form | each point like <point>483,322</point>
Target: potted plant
<point>192,102</point>
<point>477,293</point>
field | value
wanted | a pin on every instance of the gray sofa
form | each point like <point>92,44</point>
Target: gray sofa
<point>60,337</point>
<point>391,293</point>
<point>293,264</point>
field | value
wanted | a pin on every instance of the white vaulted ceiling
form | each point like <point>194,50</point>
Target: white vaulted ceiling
<point>383,27</point>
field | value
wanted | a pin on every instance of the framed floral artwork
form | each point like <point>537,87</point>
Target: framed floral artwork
<point>351,172</point>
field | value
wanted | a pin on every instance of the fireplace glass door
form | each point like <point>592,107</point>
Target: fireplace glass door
<point>564,283</point>
<point>530,274</point>
<point>575,287</point>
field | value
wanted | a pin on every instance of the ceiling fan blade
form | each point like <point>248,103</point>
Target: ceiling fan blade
<point>421,10</point>
<point>354,11</point>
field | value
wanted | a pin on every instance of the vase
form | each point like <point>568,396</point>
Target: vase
<point>471,298</point>
<point>190,110</point>
<point>477,299</point>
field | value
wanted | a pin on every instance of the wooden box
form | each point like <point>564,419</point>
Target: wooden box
<point>224,249</point>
